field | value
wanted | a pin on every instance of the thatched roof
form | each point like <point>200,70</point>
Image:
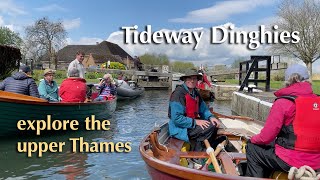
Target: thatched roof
<point>104,58</point>
<point>101,52</point>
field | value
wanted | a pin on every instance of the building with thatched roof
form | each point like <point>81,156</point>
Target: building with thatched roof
<point>95,55</point>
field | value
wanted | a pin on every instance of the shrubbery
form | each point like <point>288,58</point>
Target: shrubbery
<point>114,65</point>
<point>278,76</point>
<point>94,75</point>
<point>38,74</point>
<point>61,74</point>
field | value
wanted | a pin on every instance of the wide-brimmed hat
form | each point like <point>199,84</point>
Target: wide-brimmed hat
<point>191,72</point>
<point>48,71</point>
<point>299,69</point>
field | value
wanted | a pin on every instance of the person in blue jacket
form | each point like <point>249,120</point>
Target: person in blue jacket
<point>21,82</point>
<point>48,88</point>
<point>190,118</point>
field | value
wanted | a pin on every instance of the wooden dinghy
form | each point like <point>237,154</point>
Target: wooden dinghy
<point>15,107</point>
<point>166,157</point>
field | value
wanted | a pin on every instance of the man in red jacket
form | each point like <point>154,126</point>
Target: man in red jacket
<point>73,89</point>
<point>285,126</point>
<point>204,80</point>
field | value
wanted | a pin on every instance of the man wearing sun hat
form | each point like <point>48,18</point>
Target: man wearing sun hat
<point>190,118</point>
<point>48,88</point>
<point>293,124</point>
<point>21,83</point>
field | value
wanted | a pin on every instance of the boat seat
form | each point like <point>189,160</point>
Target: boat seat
<point>235,132</point>
<point>227,161</point>
<point>175,144</point>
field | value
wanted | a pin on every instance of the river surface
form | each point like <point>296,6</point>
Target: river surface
<point>132,120</point>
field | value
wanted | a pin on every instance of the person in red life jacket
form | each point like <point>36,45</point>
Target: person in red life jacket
<point>204,80</point>
<point>190,118</point>
<point>277,147</point>
<point>73,89</point>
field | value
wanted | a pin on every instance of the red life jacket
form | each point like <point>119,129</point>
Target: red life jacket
<point>303,133</point>
<point>192,106</point>
<point>201,85</point>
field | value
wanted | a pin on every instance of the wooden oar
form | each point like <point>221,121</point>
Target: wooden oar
<point>212,156</point>
<point>217,151</point>
<point>218,115</point>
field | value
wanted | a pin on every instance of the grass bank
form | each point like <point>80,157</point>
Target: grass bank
<point>279,84</point>
<point>59,81</point>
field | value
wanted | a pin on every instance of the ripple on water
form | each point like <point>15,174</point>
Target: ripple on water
<point>132,120</point>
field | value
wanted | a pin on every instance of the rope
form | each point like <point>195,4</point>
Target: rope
<point>303,173</point>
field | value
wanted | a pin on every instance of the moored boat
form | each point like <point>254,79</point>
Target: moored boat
<point>167,158</point>
<point>15,107</point>
<point>128,90</point>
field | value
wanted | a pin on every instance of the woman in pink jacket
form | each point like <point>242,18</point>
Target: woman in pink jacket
<point>288,128</point>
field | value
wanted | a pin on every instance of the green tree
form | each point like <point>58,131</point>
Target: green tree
<point>10,38</point>
<point>154,59</point>
<point>236,62</point>
<point>181,67</point>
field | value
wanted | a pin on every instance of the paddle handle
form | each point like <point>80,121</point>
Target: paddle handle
<point>217,150</point>
<point>213,157</point>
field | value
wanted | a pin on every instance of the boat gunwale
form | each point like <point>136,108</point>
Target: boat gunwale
<point>174,169</point>
<point>25,99</point>
<point>55,103</point>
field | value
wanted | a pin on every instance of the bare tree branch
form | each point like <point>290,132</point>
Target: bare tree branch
<point>47,36</point>
<point>304,17</point>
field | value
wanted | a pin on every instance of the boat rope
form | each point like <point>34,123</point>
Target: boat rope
<point>303,173</point>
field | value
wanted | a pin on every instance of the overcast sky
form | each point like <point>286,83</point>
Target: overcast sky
<point>88,22</point>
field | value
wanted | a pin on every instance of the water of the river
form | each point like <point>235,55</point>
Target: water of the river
<point>132,120</point>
